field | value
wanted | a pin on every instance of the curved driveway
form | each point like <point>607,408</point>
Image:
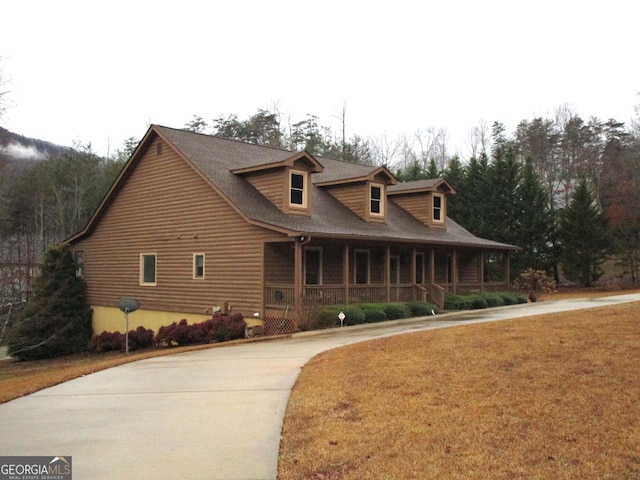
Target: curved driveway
<point>210,414</point>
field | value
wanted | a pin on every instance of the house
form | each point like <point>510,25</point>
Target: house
<point>196,223</point>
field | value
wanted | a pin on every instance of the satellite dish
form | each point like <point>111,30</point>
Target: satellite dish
<point>128,305</point>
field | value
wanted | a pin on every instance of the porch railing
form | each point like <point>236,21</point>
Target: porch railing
<point>282,295</point>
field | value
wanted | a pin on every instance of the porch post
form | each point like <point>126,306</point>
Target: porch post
<point>345,271</point>
<point>481,271</point>
<point>414,280</point>
<point>297,273</point>
<point>454,270</point>
<point>432,266</point>
<point>387,272</point>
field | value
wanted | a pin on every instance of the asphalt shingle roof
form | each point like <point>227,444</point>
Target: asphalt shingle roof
<point>216,157</point>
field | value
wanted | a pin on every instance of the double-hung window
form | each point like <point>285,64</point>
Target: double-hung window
<point>298,190</point>
<point>376,200</point>
<point>148,268</point>
<point>198,265</point>
<point>438,214</point>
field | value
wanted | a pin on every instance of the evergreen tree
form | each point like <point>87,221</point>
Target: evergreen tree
<point>470,209</point>
<point>454,174</point>
<point>57,321</point>
<point>432,170</point>
<point>535,223</point>
<point>501,196</point>
<point>583,233</point>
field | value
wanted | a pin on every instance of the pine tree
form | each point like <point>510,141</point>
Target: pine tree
<point>535,224</point>
<point>57,321</point>
<point>584,237</point>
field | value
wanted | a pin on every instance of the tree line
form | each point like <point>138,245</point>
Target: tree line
<point>515,188</point>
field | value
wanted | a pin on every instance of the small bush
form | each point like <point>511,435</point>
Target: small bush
<point>354,315</point>
<point>478,302</point>
<point>107,342</point>
<point>458,302</point>
<point>493,300</point>
<point>421,309</point>
<point>219,328</point>
<point>325,318</point>
<point>140,338</point>
<point>115,341</point>
<point>396,310</point>
<point>509,298</point>
<point>521,298</point>
<point>374,315</point>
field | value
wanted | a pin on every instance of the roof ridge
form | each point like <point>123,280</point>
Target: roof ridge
<point>220,137</point>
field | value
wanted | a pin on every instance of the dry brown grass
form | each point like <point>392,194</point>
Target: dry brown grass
<point>549,397</point>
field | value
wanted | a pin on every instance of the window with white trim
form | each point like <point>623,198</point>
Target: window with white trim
<point>438,208</point>
<point>198,265</point>
<point>148,268</point>
<point>298,190</point>
<point>376,199</point>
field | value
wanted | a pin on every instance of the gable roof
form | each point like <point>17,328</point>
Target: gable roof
<point>417,186</point>
<point>219,160</point>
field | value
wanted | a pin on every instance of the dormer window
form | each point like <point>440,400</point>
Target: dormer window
<point>438,213</point>
<point>376,200</point>
<point>298,190</point>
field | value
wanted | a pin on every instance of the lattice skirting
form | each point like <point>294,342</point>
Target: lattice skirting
<point>279,326</point>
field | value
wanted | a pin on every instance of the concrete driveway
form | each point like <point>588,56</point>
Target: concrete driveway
<point>210,414</point>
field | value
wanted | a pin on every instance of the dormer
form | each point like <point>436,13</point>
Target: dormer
<point>426,200</point>
<point>365,195</point>
<point>287,184</point>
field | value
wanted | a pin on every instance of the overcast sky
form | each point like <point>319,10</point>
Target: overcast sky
<point>102,71</point>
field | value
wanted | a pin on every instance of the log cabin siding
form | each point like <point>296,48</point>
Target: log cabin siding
<point>272,184</point>
<point>417,205</point>
<point>353,196</point>
<point>468,268</point>
<point>196,219</point>
<point>420,205</point>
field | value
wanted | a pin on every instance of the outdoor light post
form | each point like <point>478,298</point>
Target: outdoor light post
<point>127,305</point>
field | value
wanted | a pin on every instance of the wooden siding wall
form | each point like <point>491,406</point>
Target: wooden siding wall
<point>420,205</point>
<point>280,260</point>
<point>168,209</point>
<point>272,184</point>
<point>417,205</point>
<point>332,258</point>
<point>468,268</point>
<point>353,196</point>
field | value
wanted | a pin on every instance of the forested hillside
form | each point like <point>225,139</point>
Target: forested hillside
<point>47,193</point>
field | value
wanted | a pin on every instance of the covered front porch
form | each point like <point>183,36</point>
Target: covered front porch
<point>317,272</point>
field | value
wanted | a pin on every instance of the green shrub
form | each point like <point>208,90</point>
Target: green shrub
<point>374,314</point>
<point>458,302</point>
<point>421,309</point>
<point>326,318</point>
<point>478,302</point>
<point>57,319</point>
<point>354,315</point>
<point>509,298</point>
<point>521,298</point>
<point>493,300</point>
<point>396,310</point>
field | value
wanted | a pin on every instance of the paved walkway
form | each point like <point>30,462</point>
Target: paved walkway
<point>211,414</point>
